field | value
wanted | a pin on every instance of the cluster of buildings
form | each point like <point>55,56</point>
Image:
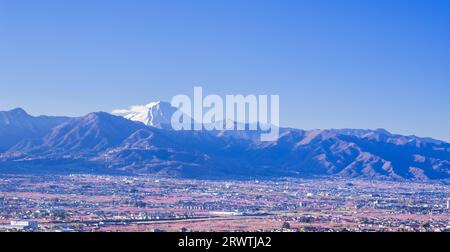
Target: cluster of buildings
<point>20,226</point>
<point>144,203</point>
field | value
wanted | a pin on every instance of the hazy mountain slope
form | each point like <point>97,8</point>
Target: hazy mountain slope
<point>102,141</point>
<point>90,134</point>
<point>16,125</point>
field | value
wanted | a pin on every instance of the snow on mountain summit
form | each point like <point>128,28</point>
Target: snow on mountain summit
<point>157,114</point>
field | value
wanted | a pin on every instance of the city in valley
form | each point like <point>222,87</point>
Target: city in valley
<point>69,203</point>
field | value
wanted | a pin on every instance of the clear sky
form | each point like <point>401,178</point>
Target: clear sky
<point>335,64</point>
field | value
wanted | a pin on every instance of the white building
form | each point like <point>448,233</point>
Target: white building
<point>32,225</point>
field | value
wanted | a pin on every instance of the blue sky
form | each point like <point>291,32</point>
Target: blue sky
<point>335,64</point>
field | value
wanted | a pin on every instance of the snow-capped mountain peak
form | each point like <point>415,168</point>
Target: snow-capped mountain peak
<point>157,114</point>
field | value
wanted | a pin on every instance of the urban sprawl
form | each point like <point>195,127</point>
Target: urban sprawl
<point>85,203</point>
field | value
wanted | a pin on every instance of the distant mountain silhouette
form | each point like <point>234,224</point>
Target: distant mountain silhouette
<point>16,125</point>
<point>101,142</point>
<point>90,134</point>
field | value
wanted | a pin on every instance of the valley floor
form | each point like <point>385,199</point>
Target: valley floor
<point>145,203</point>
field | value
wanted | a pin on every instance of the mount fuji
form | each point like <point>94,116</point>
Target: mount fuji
<point>156,114</point>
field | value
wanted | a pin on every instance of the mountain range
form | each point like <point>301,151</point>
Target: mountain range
<point>140,141</point>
